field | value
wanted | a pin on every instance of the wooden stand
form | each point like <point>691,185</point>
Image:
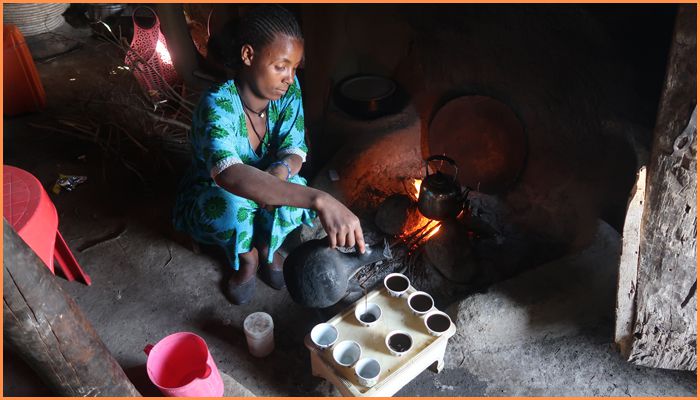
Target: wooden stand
<point>427,350</point>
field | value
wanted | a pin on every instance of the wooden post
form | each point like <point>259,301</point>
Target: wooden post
<point>664,329</point>
<point>44,325</point>
<point>629,265</point>
<point>182,50</point>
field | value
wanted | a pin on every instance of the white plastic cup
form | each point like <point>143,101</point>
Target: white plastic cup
<point>258,328</point>
<point>368,314</point>
<point>367,371</point>
<point>398,342</point>
<point>437,323</point>
<point>396,284</point>
<point>347,353</point>
<point>420,302</point>
<point>324,335</point>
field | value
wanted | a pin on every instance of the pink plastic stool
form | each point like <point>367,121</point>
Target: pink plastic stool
<point>29,210</point>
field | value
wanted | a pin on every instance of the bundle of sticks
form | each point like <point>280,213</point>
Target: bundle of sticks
<point>120,117</point>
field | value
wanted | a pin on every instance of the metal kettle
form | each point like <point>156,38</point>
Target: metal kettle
<point>440,196</point>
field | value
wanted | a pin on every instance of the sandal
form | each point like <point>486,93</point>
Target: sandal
<point>274,278</point>
<point>241,293</point>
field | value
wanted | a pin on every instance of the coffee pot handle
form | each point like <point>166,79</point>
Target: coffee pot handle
<point>441,158</point>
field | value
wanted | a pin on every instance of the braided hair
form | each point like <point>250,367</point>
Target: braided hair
<point>258,28</point>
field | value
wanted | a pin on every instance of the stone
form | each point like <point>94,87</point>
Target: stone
<point>396,213</point>
<point>449,251</point>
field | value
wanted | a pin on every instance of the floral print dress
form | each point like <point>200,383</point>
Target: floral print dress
<point>219,139</point>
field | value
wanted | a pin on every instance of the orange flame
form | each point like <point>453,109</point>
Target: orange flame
<point>432,233</point>
<point>416,185</point>
<point>422,229</point>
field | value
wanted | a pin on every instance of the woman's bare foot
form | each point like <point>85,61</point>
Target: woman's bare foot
<point>241,284</point>
<point>271,273</point>
<point>247,266</point>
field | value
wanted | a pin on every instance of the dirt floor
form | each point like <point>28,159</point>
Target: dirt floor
<point>147,284</point>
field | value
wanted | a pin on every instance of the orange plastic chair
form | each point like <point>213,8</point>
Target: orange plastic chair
<point>29,210</point>
<point>22,88</point>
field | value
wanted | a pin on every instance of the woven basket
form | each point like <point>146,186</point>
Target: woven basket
<point>33,19</point>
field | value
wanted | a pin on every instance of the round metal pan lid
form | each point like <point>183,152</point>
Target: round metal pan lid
<point>484,137</point>
<point>367,88</point>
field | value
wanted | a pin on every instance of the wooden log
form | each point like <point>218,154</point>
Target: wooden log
<point>180,45</point>
<point>629,265</point>
<point>665,327</point>
<point>44,325</point>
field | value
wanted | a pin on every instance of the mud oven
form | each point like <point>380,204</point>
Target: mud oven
<point>379,174</point>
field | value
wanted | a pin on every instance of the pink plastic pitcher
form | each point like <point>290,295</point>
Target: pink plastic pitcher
<point>181,366</point>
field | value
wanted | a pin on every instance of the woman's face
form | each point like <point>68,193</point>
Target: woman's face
<point>272,68</point>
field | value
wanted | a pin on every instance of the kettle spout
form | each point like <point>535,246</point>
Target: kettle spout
<point>376,253</point>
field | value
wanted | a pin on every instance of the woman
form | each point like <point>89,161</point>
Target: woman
<point>242,191</point>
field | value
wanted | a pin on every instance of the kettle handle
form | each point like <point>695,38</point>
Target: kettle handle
<point>442,158</point>
<point>465,194</point>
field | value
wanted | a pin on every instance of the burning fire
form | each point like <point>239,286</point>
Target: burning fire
<point>424,228</point>
<point>416,185</point>
<point>432,228</point>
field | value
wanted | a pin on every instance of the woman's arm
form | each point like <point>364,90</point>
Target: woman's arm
<point>264,188</point>
<point>279,170</point>
<point>343,227</point>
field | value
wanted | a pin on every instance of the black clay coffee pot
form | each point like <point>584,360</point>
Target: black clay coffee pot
<point>440,196</point>
<point>317,275</point>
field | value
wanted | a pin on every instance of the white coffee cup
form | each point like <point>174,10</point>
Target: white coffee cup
<point>367,371</point>
<point>398,342</point>
<point>347,353</point>
<point>437,322</point>
<point>396,284</point>
<point>420,302</point>
<point>368,314</point>
<point>324,335</point>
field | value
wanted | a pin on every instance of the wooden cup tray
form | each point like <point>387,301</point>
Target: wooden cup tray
<point>396,371</point>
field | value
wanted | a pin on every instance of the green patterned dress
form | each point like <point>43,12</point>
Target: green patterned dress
<point>219,139</point>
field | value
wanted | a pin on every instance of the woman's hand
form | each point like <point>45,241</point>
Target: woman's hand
<point>341,225</point>
<point>278,170</point>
